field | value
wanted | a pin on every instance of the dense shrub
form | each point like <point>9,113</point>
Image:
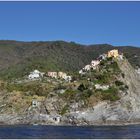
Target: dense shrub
<point>123,75</point>
<point>103,78</point>
<point>86,94</point>
<point>115,67</point>
<point>82,87</point>
<point>126,87</point>
<point>32,89</point>
<point>119,83</point>
<point>68,95</point>
<point>60,86</point>
<point>16,87</point>
<point>64,110</point>
<point>111,94</point>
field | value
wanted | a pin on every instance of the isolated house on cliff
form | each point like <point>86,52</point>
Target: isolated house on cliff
<point>87,68</point>
<point>113,53</point>
<point>94,64</point>
<point>35,75</point>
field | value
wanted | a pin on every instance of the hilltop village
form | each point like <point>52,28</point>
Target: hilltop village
<point>99,93</point>
<point>36,74</point>
<point>94,65</point>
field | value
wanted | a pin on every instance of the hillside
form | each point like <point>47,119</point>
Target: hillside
<point>107,93</point>
<point>17,59</point>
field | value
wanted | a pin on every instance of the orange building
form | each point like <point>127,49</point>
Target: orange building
<point>113,53</point>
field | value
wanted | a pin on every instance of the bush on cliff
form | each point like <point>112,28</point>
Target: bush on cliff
<point>111,94</point>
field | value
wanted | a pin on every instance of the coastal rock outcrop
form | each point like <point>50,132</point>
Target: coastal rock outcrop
<point>107,95</point>
<point>125,110</point>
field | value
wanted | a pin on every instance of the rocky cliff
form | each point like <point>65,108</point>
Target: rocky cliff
<point>53,101</point>
<point>126,110</point>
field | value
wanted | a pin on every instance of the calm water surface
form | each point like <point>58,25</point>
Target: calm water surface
<point>79,132</point>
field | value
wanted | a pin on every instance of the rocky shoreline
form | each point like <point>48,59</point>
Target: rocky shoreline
<point>116,123</point>
<point>18,120</point>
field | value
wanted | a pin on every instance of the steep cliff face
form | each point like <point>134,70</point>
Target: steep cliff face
<point>132,79</point>
<point>125,110</point>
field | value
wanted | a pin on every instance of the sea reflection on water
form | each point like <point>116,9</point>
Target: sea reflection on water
<point>77,132</point>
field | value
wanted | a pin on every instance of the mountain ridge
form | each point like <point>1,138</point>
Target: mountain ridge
<point>18,58</point>
<point>49,41</point>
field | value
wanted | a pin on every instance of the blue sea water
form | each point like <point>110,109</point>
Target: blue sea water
<point>64,132</point>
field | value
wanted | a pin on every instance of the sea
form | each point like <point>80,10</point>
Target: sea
<point>69,132</point>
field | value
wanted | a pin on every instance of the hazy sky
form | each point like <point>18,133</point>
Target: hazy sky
<point>116,23</point>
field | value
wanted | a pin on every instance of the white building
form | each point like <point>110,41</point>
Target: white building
<point>34,103</point>
<point>35,75</point>
<point>81,72</point>
<point>103,87</point>
<point>68,78</point>
<point>57,119</point>
<point>87,67</point>
<point>94,63</point>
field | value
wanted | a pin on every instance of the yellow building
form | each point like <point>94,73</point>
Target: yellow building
<point>113,53</point>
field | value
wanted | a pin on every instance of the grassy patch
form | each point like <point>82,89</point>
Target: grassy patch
<point>111,94</point>
<point>64,110</point>
<point>31,89</point>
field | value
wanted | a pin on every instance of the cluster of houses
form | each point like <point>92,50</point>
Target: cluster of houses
<point>36,74</point>
<point>61,75</point>
<point>95,63</point>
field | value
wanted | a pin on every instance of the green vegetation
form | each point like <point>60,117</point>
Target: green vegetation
<point>119,83</point>
<point>106,74</point>
<point>64,110</point>
<point>123,75</point>
<point>86,94</point>
<point>59,87</point>
<point>104,78</point>
<point>111,94</point>
<point>82,87</point>
<point>67,57</point>
<point>20,58</point>
<point>123,88</point>
<point>69,95</point>
<point>29,89</point>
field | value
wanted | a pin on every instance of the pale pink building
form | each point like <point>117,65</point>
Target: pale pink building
<point>52,74</point>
